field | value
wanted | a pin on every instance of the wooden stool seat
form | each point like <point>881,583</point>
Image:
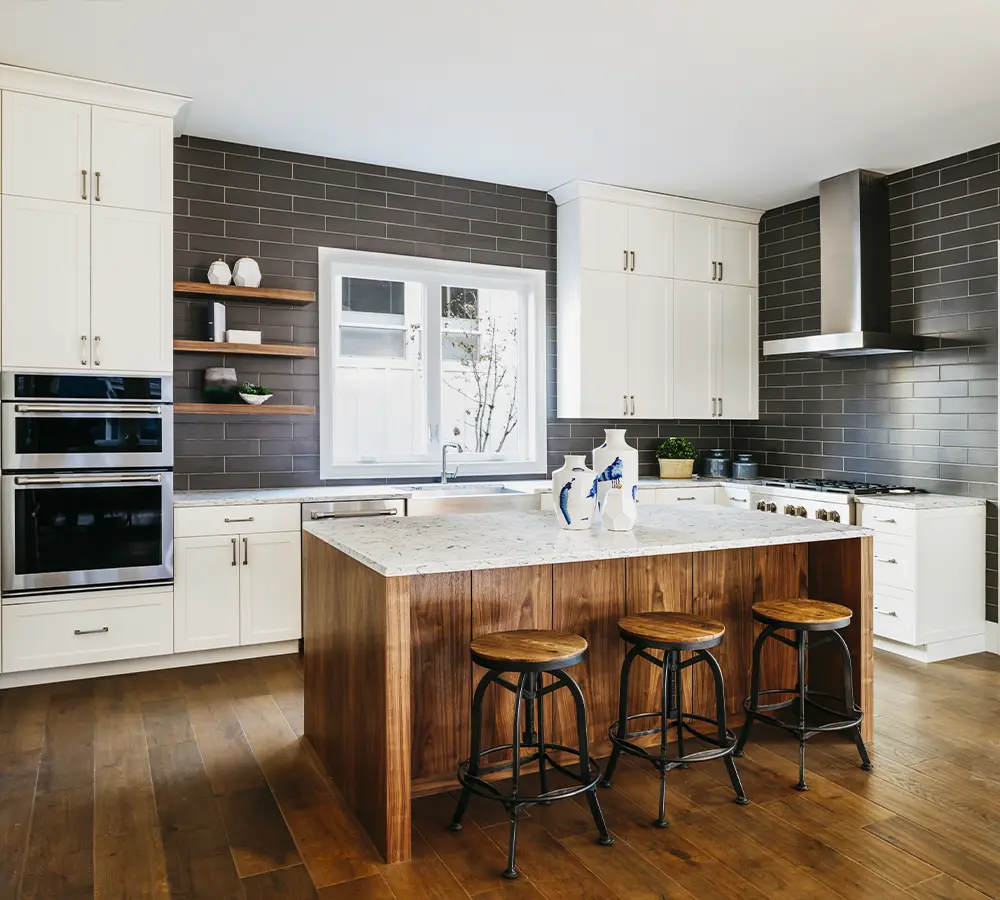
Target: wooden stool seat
<point>803,615</point>
<point>529,649</point>
<point>670,630</point>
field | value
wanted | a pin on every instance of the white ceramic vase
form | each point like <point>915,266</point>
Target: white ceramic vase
<point>574,493</point>
<point>246,273</point>
<point>618,509</point>
<point>615,462</point>
<point>219,273</point>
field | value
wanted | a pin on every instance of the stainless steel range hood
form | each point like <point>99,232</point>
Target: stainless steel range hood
<point>854,273</point>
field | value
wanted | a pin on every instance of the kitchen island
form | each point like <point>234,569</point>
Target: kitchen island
<point>391,605</point>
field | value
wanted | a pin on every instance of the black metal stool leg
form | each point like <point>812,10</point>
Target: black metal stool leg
<point>603,835</point>
<point>866,762</point>
<point>666,692</point>
<point>542,776</point>
<point>477,737</point>
<point>801,641</point>
<point>678,704</point>
<point>720,717</point>
<point>754,691</point>
<point>515,777</point>
<point>511,870</point>
<point>616,751</point>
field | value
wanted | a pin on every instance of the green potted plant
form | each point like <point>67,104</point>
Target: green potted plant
<point>254,394</point>
<point>676,456</point>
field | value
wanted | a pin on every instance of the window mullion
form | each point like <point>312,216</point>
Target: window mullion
<point>432,358</point>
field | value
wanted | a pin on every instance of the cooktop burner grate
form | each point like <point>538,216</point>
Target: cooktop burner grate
<point>836,486</point>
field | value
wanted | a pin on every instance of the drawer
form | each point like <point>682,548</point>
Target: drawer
<point>691,495</point>
<point>895,615</point>
<point>737,498</point>
<point>895,562</point>
<point>202,521</point>
<point>88,628</point>
<point>888,521</point>
<point>646,495</point>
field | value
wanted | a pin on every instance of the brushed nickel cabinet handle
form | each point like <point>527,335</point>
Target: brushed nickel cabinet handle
<point>887,521</point>
<point>720,406</point>
<point>97,350</point>
<point>83,186</point>
<point>890,561</point>
<point>103,630</point>
<point>234,550</point>
<point>633,403</point>
<point>247,519</point>
<point>882,612</point>
<point>97,192</point>
<point>713,407</point>
<point>714,269</point>
<point>625,399</point>
<point>83,349</point>
<point>625,263</point>
<point>681,499</point>
<point>720,270</point>
<point>244,551</point>
<point>632,254</point>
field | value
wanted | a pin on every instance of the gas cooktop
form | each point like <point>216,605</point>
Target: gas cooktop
<point>835,486</point>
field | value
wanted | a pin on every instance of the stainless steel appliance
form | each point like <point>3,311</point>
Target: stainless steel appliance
<point>352,509</point>
<point>87,485</point>
<point>830,500</point>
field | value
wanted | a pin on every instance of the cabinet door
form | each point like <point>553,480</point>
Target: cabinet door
<point>651,241</point>
<point>270,588</point>
<point>132,159</point>
<point>736,252</point>
<point>693,246</point>
<point>603,235</point>
<point>206,593</point>
<point>693,345</point>
<point>45,148</point>
<point>45,284</point>
<point>131,314</point>
<point>650,366</point>
<point>603,345</point>
<point>736,326</point>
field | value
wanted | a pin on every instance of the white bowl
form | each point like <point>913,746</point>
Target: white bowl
<point>256,399</point>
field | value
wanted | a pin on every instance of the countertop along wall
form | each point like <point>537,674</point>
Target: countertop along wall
<point>929,418</point>
<point>276,206</point>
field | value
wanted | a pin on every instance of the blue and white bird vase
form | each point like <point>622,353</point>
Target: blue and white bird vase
<point>616,463</point>
<point>573,494</point>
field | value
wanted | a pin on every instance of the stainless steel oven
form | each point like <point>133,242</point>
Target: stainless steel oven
<point>87,484</point>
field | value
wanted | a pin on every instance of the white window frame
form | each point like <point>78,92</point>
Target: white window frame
<point>334,263</point>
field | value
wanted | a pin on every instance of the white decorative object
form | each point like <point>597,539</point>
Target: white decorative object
<point>614,449</point>
<point>219,273</point>
<point>246,273</point>
<point>573,494</point>
<point>618,508</point>
<point>255,399</point>
<point>242,337</point>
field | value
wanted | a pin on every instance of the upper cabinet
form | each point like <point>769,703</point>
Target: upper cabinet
<point>715,250</point>
<point>657,306</point>
<point>86,228</point>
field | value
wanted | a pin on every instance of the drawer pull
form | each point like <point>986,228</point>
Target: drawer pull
<point>738,499</point>
<point>890,561</point>
<point>887,521</point>
<point>362,514</point>
<point>103,630</point>
<point>234,550</point>
<point>882,612</point>
<point>686,498</point>
<point>247,519</point>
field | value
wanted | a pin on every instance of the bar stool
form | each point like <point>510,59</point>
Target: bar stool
<point>804,617</point>
<point>529,653</point>
<point>673,633</point>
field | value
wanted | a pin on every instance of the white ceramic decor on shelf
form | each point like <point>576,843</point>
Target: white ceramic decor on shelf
<point>615,449</point>
<point>219,273</point>
<point>246,273</point>
<point>574,493</point>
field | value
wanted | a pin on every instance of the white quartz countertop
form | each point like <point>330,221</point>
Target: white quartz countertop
<point>919,501</point>
<point>432,544</point>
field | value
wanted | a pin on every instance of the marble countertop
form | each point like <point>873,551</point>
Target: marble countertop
<point>432,544</point>
<point>919,501</point>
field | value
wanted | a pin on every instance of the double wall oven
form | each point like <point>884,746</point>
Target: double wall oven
<point>87,483</point>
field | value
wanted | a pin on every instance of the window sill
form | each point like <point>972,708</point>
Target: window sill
<point>356,471</point>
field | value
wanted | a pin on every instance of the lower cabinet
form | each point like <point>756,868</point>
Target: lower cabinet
<point>238,587</point>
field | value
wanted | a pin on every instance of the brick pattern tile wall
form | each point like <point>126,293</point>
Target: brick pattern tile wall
<point>278,207</point>
<point>928,418</point>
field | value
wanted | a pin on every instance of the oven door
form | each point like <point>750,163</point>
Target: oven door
<point>40,435</point>
<point>71,531</point>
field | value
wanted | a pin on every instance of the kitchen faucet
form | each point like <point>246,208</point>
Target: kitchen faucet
<point>445,474</point>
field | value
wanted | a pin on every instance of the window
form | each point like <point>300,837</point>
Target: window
<point>416,353</point>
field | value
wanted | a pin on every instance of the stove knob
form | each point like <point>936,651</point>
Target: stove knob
<point>772,507</point>
<point>789,510</point>
<point>821,514</point>
<point>834,516</point>
<point>761,505</point>
<point>800,511</point>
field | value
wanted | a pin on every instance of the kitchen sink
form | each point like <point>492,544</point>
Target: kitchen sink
<point>441,499</point>
<point>458,490</point>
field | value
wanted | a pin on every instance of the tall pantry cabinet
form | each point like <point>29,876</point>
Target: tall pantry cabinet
<point>86,205</point>
<point>657,308</point>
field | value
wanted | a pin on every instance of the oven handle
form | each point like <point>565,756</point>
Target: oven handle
<point>88,409</point>
<point>152,478</point>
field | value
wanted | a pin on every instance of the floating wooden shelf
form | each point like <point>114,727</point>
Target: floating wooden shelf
<point>240,409</point>
<point>298,350</point>
<point>277,295</point>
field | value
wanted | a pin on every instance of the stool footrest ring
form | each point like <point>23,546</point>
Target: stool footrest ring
<point>762,713</point>
<point>672,761</point>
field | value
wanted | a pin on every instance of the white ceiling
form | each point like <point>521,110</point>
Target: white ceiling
<point>741,102</point>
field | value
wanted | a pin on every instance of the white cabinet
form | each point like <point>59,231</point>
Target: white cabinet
<point>238,585</point>
<point>714,351</point>
<point>650,237</point>
<point>648,323</point>
<point>132,160</point>
<point>45,148</point>
<point>716,250</point>
<point>617,237</point>
<point>45,284</point>
<point>131,315</point>
<point>695,496</point>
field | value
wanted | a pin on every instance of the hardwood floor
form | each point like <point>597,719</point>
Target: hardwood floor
<point>193,784</point>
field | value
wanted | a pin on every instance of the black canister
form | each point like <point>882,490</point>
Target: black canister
<point>744,466</point>
<point>716,464</point>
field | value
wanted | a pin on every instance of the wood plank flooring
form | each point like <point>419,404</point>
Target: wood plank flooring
<point>193,784</point>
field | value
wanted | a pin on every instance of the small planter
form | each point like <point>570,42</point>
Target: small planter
<point>676,468</point>
<point>256,399</point>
